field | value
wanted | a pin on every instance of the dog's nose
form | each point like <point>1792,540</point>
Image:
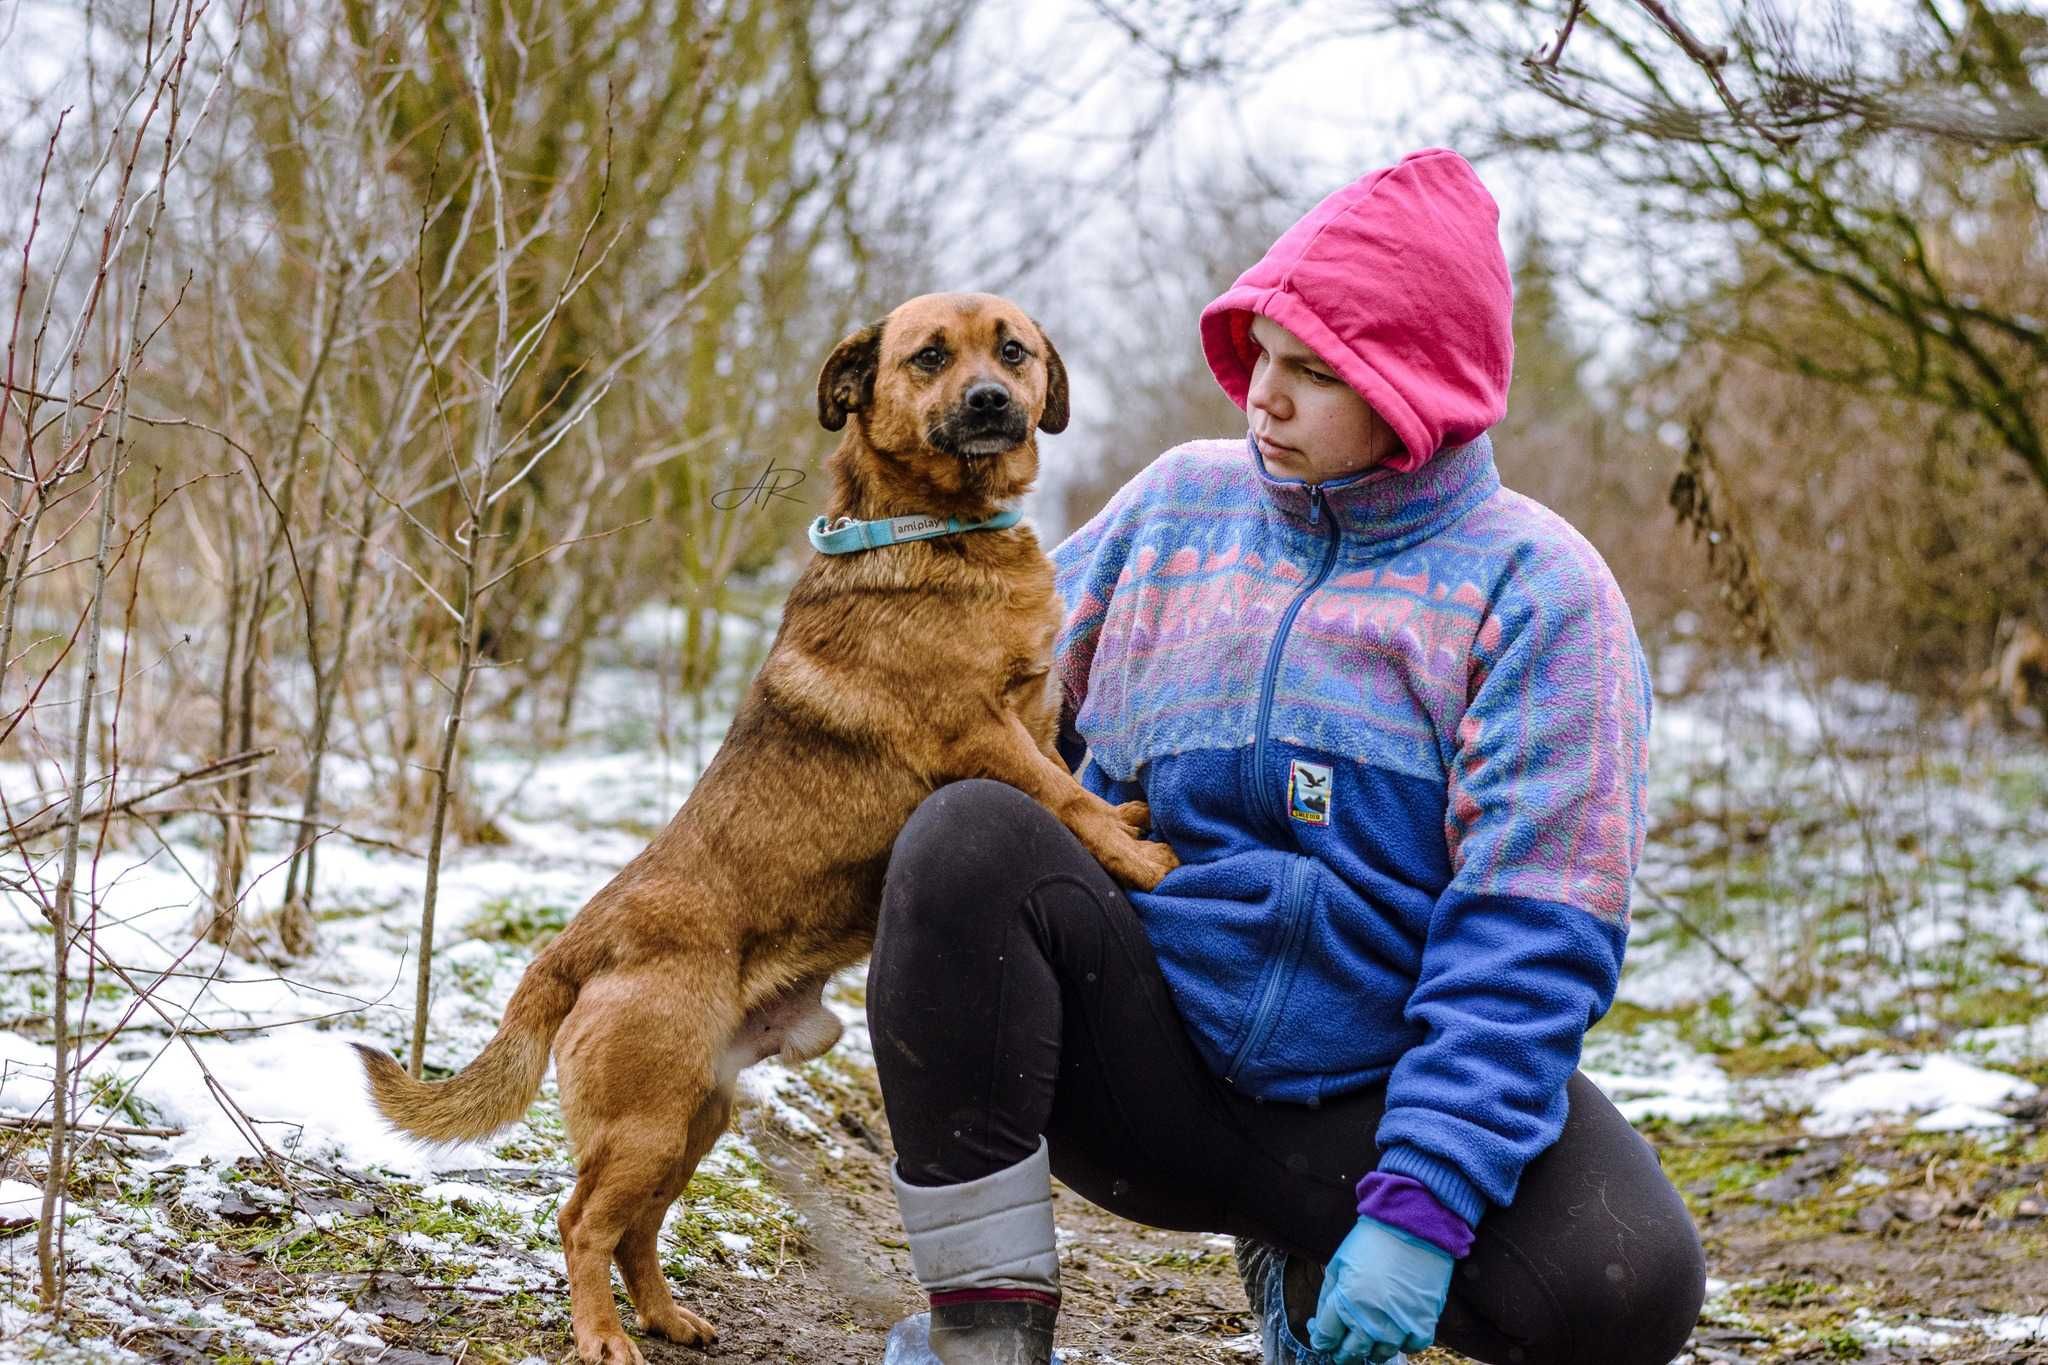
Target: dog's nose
<point>988,397</point>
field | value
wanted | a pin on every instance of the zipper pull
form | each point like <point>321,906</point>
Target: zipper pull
<point>1315,503</point>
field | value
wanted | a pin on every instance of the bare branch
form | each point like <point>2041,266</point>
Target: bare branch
<point>218,770</point>
<point>1546,57</point>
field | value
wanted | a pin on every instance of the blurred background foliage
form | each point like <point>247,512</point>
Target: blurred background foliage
<point>1782,317</point>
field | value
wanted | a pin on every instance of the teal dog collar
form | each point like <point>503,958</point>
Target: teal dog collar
<point>847,536</point>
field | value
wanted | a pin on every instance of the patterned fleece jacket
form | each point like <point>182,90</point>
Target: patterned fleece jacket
<point>1394,725</point>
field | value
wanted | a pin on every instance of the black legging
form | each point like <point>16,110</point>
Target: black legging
<point>1013,993</point>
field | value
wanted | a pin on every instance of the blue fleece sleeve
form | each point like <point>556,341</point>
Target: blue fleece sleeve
<point>1544,819</point>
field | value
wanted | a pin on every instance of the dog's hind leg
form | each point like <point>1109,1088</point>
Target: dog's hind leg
<point>642,1102</point>
<point>593,1222</point>
<point>639,1253</point>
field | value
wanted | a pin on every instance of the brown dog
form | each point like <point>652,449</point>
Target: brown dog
<point>895,670</point>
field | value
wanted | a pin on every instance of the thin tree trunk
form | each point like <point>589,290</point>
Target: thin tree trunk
<point>479,500</point>
<point>444,782</point>
<point>327,686</point>
<point>227,870</point>
<point>16,571</point>
<point>49,1233</point>
<point>234,852</point>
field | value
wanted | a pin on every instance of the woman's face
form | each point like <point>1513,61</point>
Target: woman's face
<point>1310,424</point>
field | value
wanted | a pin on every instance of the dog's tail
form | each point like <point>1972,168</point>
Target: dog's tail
<point>501,1082</point>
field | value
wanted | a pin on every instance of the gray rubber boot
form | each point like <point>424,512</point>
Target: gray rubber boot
<point>985,1253</point>
<point>984,1332</point>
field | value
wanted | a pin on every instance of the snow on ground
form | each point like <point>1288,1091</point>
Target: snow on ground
<point>1866,1329</point>
<point>1650,1073</point>
<point>1942,1093</point>
<point>1896,859</point>
<point>227,1046</point>
<point>2007,1044</point>
<point>1767,920</point>
<point>2012,1329</point>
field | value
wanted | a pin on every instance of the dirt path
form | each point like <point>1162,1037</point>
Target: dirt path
<point>1132,1294</point>
<point>1885,1246</point>
<point>1888,1247</point>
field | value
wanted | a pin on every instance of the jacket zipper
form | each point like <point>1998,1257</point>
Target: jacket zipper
<point>1282,968</point>
<point>1272,678</point>
<point>1293,902</point>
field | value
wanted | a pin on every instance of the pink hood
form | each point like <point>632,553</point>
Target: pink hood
<point>1398,282</point>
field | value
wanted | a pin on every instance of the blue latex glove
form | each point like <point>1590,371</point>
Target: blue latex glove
<point>1382,1293</point>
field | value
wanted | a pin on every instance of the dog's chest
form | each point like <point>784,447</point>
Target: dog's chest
<point>1014,606</point>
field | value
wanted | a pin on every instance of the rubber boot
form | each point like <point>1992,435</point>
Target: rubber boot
<point>984,1252</point>
<point>1283,1291</point>
<point>988,1332</point>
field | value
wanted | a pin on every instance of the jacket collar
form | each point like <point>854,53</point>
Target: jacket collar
<point>1383,511</point>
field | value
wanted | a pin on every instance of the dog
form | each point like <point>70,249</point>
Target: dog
<point>2020,665</point>
<point>895,670</point>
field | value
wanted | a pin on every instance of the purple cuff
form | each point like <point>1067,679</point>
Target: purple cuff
<point>1404,1202</point>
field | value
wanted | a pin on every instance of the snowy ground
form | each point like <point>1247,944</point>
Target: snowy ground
<point>1833,1024</point>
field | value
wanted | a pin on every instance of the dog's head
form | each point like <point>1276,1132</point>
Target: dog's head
<point>953,384</point>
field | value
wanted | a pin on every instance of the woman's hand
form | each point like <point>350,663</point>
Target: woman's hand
<point>1382,1293</point>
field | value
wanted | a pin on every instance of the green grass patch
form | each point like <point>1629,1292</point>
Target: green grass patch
<point>1777,1057</point>
<point>350,1244</point>
<point>518,920</point>
<point>542,1140</point>
<point>1805,1320</point>
<point>1625,1017</point>
<point>355,905</point>
<point>1186,1259</point>
<point>1986,1006</point>
<point>2023,791</point>
<point>1713,1157</point>
<point>108,1092</point>
<point>732,1195</point>
<point>1777,1295</point>
<point>1841,1344</point>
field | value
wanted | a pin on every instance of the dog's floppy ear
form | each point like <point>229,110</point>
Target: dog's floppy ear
<point>847,383</point>
<point>1054,419</point>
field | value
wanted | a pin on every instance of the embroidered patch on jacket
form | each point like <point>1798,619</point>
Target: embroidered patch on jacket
<point>1308,792</point>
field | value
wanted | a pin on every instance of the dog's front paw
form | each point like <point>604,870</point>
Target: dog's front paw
<point>1145,864</point>
<point>678,1324</point>
<point>1136,817</point>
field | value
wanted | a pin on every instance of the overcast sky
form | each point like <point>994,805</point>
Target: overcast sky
<point>1312,108</point>
<point>1309,106</point>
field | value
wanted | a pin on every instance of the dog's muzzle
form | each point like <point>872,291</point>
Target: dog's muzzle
<point>987,420</point>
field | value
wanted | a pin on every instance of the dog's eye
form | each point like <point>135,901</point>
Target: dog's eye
<point>930,358</point>
<point>1014,352</point>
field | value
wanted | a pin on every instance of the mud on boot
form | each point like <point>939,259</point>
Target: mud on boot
<point>977,1332</point>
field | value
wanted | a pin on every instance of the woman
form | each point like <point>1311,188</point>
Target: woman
<point>1392,718</point>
